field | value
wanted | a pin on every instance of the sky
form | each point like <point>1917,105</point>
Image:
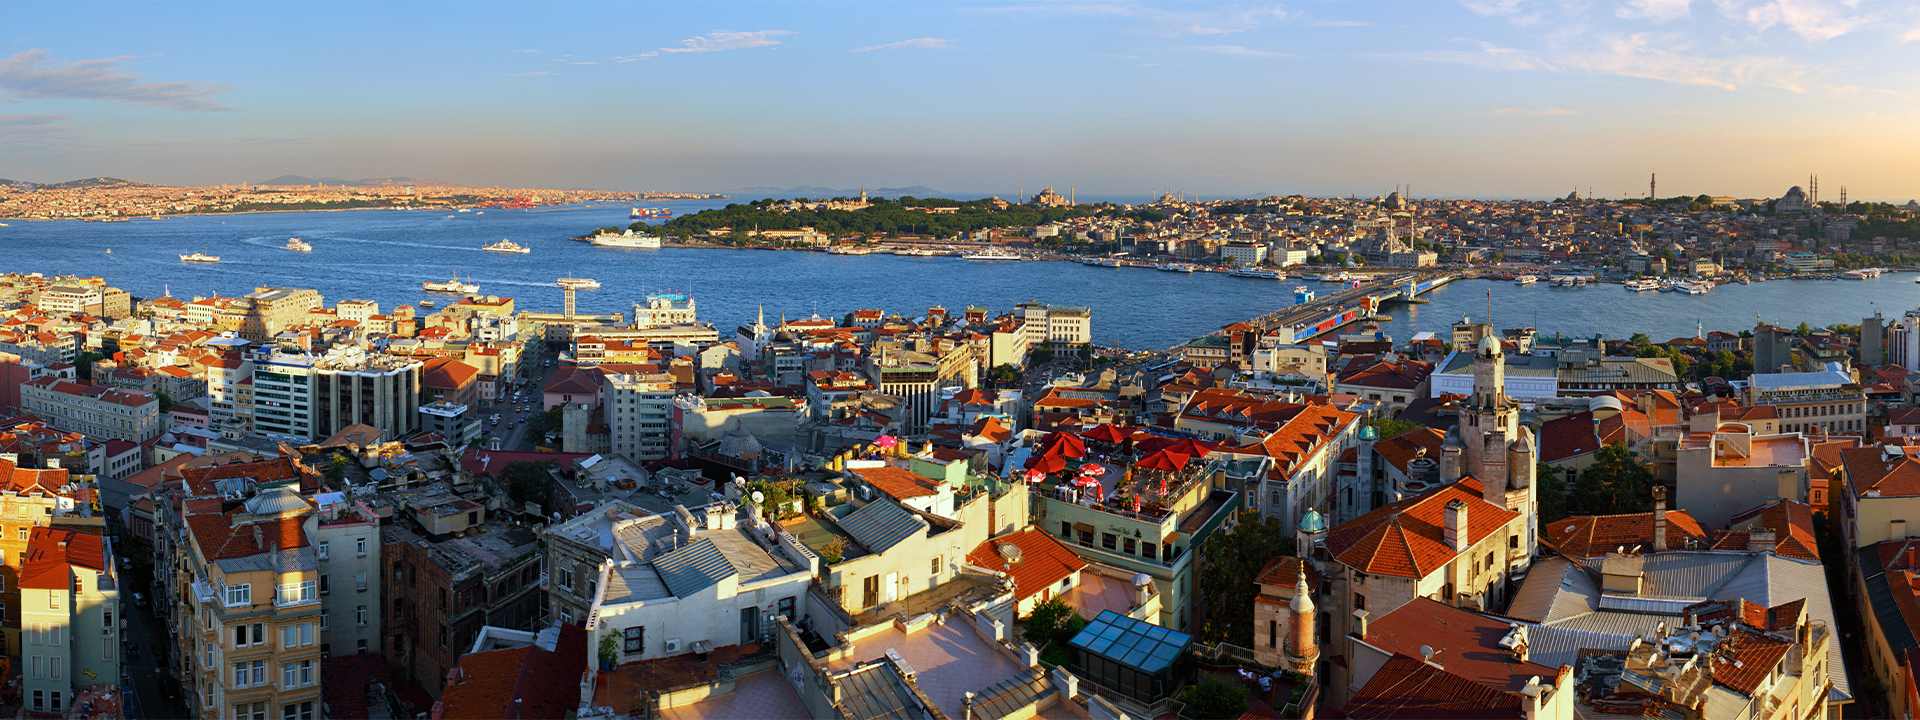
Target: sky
<point>1456,98</point>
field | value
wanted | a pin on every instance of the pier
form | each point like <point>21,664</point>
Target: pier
<point>1306,321</point>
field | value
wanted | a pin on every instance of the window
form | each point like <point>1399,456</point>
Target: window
<point>360,615</point>
<point>246,675</point>
<point>360,547</point>
<point>1066,529</point>
<point>324,585</point>
<point>1147,550</point>
<point>321,550</point>
<point>1359,601</point>
<point>21,533</point>
<point>565,577</point>
<point>39,700</point>
<point>1127,545</point>
<point>870,590</point>
<point>296,711</point>
<point>54,706</point>
<point>1107,540</point>
<point>360,582</point>
<point>935,569</point>
<point>1273,634</point>
<point>633,641</point>
<point>241,594</point>
<point>296,675</point>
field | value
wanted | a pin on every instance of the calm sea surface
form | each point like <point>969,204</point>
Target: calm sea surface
<point>385,254</point>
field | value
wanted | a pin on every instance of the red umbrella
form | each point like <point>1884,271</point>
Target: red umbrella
<point>1034,476</point>
<point>1107,433</point>
<point>1093,470</point>
<point>1164,460</point>
<point>1047,463</point>
<point>1065,443</point>
<point>1191,446</point>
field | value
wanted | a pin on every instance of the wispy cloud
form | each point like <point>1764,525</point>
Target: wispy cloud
<point>724,40</point>
<point>1643,56</point>
<point>526,51</point>
<point>1488,55</point>
<point>1241,51</point>
<point>29,74</point>
<point>1342,23</point>
<point>1494,8</point>
<point>1175,21</point>
<point>919,43</point>
<point>1655,10</point>
<point>1534,112</point>
<point>530,74</point>
<point>1814,20</point>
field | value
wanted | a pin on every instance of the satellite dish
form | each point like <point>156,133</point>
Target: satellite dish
<point>758,497</point>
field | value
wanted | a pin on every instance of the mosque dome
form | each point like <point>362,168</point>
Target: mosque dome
<point>1368,433</point>
<point>1604,402</point>
<point>276,501</point>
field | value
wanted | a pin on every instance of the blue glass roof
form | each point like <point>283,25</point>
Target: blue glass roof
<point>1137,644</point>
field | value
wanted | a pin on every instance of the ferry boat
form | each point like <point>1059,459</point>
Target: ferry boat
<point>1174,267</point>
<point>1572,280</point>
<point>507,246</point>
<point>1863,273</point>
<point>1337,277</point>
<point>297,245</point>
<point>1526,280</point>
<point>643,213</point>
<point>628,239</point>
<point>201,258</point>
<point>991,255</point>
<point>425,303</point>
<point>1102,262</point>
<point>578,283</point>
<point>1690,287</point>
<point>1257,273</point>
<point>464,210</point>
<point>1641,285</point>
<point>450,286</point>
<point>850,250</point>
<point>915,252</point>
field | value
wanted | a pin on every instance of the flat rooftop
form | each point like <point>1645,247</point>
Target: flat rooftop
<point>948,658</point>
<point>764,694</point>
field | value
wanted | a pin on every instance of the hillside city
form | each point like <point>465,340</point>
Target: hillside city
<point>271,503</point>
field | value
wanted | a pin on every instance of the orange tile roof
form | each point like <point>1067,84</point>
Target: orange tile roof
<point>1400,450</point>
<point>52,552</point>
<point>989,427</point>
<point>1408,538</point>
<point>219,538</point>
<point>447,374</point>
<point>1590,536</point>
<point>1870,469</point>
<point>1308,429</point>
<point>1043,560</point>
<point>1745,659</point>
<point>1408,688</point>
<point>898,482</point>
<point>1468,643</point>
<point>1790,521</point>
<point>522,682</point>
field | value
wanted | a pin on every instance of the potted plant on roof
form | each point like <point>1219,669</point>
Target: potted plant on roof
<point>609,652</point>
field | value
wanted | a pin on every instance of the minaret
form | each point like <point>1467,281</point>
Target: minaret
<point>1303,650</point>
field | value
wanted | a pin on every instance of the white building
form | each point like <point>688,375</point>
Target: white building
<point>1057,327</point>
<point>69,615</point>
<point>639,414</point>
<point>664,310</point>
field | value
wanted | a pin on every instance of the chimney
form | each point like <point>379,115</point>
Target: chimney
<point>1456,527</point>
<point>1659,518</point>
<point>1360,624</point>
<point>1532,692</point>
<point>1760,541</point>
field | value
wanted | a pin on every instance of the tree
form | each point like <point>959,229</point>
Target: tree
<point>1394,427</point>
<point>1214,697</point>
<point>1229,561</point>
<point>1615,483</point>
<point>834,551</point>
<point>1003,376</point>
<point>166,401</point>
<point>1552,482</point>
<point>529,482</point>
<point>1046,621</point>
<point>337,467</point>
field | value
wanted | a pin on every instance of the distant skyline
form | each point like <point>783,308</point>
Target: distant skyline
<point>1466,98</point>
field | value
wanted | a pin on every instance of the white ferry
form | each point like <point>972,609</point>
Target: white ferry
<point>1526,280</point>
<point>450,286</point>
<point>850,250</point>
<point>628,239</point>
<point>1690,287</point>
<point>1337,277</point>
<point>201,258</point>
<point>297,245</point>
<point>1257,273</point>
<point>1102,262</point>
<point>1175,267</point>
<point>1571,280</point>
<point>507,246</point>
<point>991,255</point>
<point>1863,273</point>
<point>1641,285</point>
<point>578,283</point>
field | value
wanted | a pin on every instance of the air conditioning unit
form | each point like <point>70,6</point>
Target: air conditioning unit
<point>673,645</point>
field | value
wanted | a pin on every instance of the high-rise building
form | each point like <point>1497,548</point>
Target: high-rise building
<point>639,414</point>
<point>303,396</point>
<point>1873,340</point>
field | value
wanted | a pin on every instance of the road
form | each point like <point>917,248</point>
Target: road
<point>150,690</point>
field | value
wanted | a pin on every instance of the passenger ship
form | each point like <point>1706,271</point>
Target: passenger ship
<point>297,245</point>
<point>201,258</point>
<point>507,246</point>
<point>454,286</point>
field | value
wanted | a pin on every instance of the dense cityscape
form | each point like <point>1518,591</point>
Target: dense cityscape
<point>960,360</point>
<point>461,506</point>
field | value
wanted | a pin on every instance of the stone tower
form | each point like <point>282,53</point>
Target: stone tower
<point>1303,648</point>
<point>1494,447</point>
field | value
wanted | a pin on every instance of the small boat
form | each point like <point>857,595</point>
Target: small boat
<point>995,254</point>
<point>4,225</point>
<point>201,258</point>
<point>1641,285</point>
<point>109,251</point>
<point>628,239</point>
<point>578,283</point>
<point>1689,287</point>
<point>297,245</point>
<point>849,250</point>
<point>1257,273</point>
<point>1336,277</point>
<point>425,303</point>
<point>453,286</point>
<point>1526,280</point>
<point>507,246</point>
<point>464,210</point>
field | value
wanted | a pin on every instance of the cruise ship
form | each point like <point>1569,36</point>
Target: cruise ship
<point>628,239</point>
<point>1257,273</point>
<point>1526,280</point>
<point>507,246</point>
<point>202,258</point>
<point>450,286</point>
<point>991,255</point>
<point>1641,285</point>
<point>297,245</point>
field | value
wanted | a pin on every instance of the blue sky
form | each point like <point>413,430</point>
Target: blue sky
<point>1457,97</point>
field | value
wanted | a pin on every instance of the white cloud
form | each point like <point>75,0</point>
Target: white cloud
<point>1182,21</point>
<point>1814,20</point>
<point>24,75</point>
<point>1241,51</point>
<point>724,40</point>
<point>919,43</point>
<point>1534,112</point>
<point>1494,8</point>
<point>1655,10</point>
<point>1661,59</point>
<point>1342,23</point>
<point>1490,56</point>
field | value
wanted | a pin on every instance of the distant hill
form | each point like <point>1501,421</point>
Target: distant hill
<point>360,182</point>
<point>91,182</point>
<point>818,191</point>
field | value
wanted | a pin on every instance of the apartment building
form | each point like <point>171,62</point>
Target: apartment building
<point>99,412</point>
<point>303,396</point>
<point>69,615</point>
<point>1057,327</point>
<point>30,499</point>
<point>251,617</point>
<point>1719,474</point>
<point>346,545</point>
<point>639,414</point>
<point>440,588</point>
<point>267,311</point>
<point>1828,401</point>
